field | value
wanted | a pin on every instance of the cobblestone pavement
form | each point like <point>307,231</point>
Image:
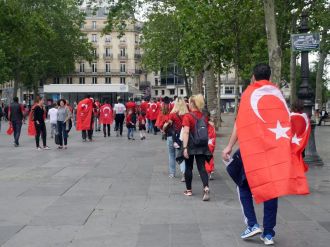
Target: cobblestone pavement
<point>115,192</point>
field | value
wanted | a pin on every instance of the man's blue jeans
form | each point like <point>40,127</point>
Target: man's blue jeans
<point>270,210</point>
<point>17,126</point>
<point>171,156</point>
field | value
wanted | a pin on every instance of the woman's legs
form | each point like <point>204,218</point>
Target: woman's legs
<point>65,134</point>
<point>171,157</point>
<point>109,128</point>
<point>44,134</point>
<point>60,132</point>
<point>37,135</point>
<point>188,173</point>
<point>200,160</point>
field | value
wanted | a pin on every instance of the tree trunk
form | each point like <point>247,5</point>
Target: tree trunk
<point>218,125</point>
<point>293,82</point>
<point>186,83</point>
<point>236,89</point>
<point>211,92</point>
<point>319,74</point>
<point>274,50</point>
<point>197,87</point>
<point>16,83</point>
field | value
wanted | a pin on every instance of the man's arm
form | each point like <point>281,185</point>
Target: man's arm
<point>232,141</point>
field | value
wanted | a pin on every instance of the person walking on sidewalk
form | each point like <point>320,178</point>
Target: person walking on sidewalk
<point>15,116</point>
<point>195,144</point>
<point>119,111</point>
<point>39,115</point>
<point>52,113</point>
<point>106,118</point>
<point>63,117</point>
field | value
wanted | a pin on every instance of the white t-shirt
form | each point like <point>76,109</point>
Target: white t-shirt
<point>52,113</point>
<point>119,108</point>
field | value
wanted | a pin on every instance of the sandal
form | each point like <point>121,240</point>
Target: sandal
<point>187,192</point>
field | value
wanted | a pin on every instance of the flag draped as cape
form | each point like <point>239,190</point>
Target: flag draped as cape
<point>264,135</point>
<point>106,114</point>
<point>84,114</point>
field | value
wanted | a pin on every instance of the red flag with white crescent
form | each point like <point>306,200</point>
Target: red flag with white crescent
<point>264,135</point>
<point>84,114</point>
<point>301,130</point>
<point>106,114</point>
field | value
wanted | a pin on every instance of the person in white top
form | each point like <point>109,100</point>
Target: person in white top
<point>52,114</point>
<point>119,110</point>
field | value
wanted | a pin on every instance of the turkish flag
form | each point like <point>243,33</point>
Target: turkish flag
<point>130,106</point>
<point>264,135</point>
<point>84,114</point>
<point>31,127</point>
<point>153,111</point>
<point>10,129</point>
<point>301,130</point>
<point>106,114</point>
<point>144,106</point>
<point>209,166</point>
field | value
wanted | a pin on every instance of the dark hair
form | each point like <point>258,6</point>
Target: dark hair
<point>143,113</point>
<point>297,106</point>
<point>120,100</point>
<point>261,72</point>
<point>61,100</point>
<point>15,99</point>
<point>87,96</point>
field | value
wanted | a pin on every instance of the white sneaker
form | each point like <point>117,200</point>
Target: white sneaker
<point>268,239</point>
<point>46,148</point>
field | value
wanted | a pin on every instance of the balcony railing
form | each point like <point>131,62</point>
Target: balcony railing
<point>137,56</point>
<point>121,57</point>
<point>108,56</point>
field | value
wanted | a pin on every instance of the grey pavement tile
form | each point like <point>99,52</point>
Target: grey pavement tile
<point>6,232</point>
<point>89,187</point>
<point>42,236</point>
<point>154,235</point>
<point>325,225</point>
<point>289,212</point>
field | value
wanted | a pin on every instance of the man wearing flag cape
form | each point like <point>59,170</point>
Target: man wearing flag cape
<point>85,118</point>
<point>266,139</point>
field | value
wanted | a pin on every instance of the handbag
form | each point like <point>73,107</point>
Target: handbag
<point>235,169</point>
<point>57,139</point>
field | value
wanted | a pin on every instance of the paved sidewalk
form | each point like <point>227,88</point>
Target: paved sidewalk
<point>113,192</point>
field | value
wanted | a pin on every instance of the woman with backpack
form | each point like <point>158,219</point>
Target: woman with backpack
<point>195,144</point>
<point>173,128</point>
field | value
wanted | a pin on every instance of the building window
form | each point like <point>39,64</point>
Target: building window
<point>94,67</point>
<point>94,38</point>
<point>229,90</point>
<point>94,80</point>
<point>82,25</point>
<point>122,80</point>
<point>172,91</point>
<point>107,67</point>
<point>82,67</point>
<point>107,38</point>
<point>122,67</point>
<point>122,39</point>
<point>163,92</point>
<point>108,80</point>
<point>122,52</point>
<point>107,52</point>
<point>156,81</point>
<point>56,80</point>
<point>81,80</point>
<point>94,25</point>
<point>69,80</point>
<point>181,91</point>
<point>94,53</point>
<point>156,92</point>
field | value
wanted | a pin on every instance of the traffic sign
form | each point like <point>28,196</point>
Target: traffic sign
<point>305,41</point>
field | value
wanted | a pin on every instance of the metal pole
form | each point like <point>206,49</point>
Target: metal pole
<point>306,94</point>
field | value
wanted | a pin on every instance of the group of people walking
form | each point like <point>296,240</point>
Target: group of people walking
<point>267,164</point>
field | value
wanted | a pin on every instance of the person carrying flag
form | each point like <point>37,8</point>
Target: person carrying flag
<point>106,118</point>
<point>264,131</point>
<point>85,118</point>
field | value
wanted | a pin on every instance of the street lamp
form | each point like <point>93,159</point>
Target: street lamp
<point>306,94</point>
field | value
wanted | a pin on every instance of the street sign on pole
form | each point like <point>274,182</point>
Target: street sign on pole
<point>305,41</point>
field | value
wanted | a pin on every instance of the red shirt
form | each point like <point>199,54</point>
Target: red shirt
<point>177,121</point>
<point>130,106</point>
<point>142,120</point>
<point>144,106</point>
<point>189,120</point>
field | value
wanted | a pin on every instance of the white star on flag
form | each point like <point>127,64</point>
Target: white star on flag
<point>280,131</point>
<point>296,140</point>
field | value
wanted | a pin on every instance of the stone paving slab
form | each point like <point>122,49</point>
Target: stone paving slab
<point>115,192</point>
